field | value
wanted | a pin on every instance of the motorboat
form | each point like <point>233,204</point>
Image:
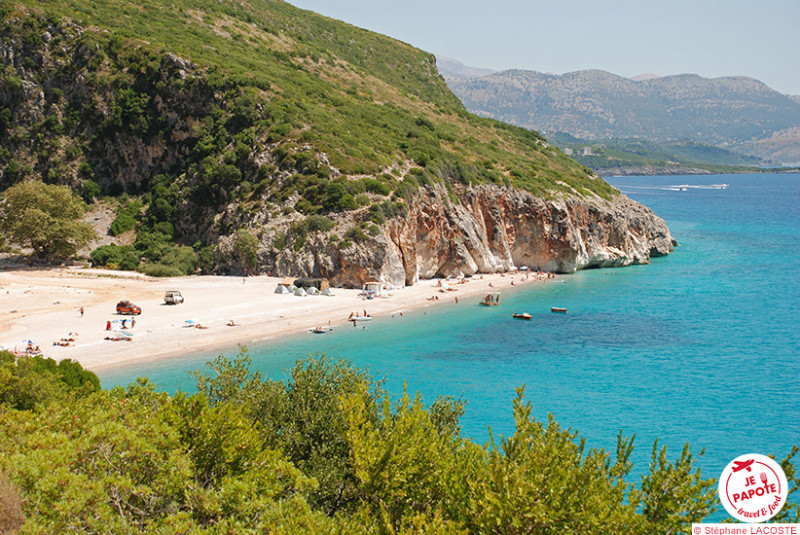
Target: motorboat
<point>522,315</point>
<point>558,309</point>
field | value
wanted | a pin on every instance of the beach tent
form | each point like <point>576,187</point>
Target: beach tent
<point>373,288</point>
<point>282,290</point>
<point>292,288</point>
<point>300,292</point>
<point>327,291</point>
<point>311,290</point>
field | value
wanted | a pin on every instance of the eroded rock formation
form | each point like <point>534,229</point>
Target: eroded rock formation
<point>490,229</point>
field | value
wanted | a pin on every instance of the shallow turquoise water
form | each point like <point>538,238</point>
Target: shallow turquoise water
<point>700,346</point>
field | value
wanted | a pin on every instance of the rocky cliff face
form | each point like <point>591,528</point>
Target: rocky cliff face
<point>490,229</point>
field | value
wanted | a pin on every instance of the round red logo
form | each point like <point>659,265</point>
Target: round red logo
<point>753,488</point>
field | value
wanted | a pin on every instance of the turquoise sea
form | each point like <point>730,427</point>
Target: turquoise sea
<point>700,346</point>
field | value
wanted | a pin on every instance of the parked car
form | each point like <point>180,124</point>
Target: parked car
<point>126,307</point>
<point>173,297</point>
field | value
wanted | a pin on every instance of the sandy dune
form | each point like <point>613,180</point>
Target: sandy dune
<point>44,306</point>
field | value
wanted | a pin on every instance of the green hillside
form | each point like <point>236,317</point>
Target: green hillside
<point>256,103</point>
<point>364,99</point>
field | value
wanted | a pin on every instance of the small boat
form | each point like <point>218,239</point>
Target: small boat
<point>491,299</point>
<point>558,309</point>
<point>320,330</point>
<point>522,316</point>
<point>359,318</point>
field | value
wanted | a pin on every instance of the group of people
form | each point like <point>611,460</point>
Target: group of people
<point>66,341</point>
<point>124,323</point>
<point>32,349</point>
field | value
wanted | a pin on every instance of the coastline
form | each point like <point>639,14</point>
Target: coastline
<point>43,306</point>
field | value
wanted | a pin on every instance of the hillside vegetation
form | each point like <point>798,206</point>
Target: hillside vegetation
<point>219,116</point>
<point>324,452</point>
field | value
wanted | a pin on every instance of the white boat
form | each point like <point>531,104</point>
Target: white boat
<point>320,330</point>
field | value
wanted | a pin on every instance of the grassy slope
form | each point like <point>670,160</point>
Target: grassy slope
<point>369,102</point>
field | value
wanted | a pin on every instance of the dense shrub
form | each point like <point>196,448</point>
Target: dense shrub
<point>30,381</point>
<point>126,218</point>
<point>160,270</point>
<point>319,223</point>
<point>112,254</point>
<point>355,234</point>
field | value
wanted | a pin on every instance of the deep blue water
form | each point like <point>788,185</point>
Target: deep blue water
<point>700,346</point>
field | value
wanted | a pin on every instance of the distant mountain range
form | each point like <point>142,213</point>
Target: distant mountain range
<point>737,113</point>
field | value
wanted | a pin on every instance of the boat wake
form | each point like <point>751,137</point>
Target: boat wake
<point>680,187</point>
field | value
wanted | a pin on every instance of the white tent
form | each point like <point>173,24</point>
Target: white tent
<point>327,291</point>
<point>312,290</point>
<point>282,290</point>
<point>373,288</point>
<point>300,292</point>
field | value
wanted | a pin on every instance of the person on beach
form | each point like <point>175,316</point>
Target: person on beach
<point>81,311</point>
<point>108,325</point>
<point>133,323</point>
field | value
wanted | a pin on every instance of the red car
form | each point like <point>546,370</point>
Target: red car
<point>126,307</point>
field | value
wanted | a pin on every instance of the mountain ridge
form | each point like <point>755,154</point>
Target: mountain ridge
<point>734,112</point>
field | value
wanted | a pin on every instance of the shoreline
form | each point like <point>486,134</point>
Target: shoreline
<point>43,305</point>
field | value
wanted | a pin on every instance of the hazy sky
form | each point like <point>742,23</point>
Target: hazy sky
<point>760,39</point>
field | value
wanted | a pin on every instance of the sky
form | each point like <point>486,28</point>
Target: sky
<point>712,38</point>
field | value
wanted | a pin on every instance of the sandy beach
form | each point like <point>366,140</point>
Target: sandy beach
<point>44,306</point>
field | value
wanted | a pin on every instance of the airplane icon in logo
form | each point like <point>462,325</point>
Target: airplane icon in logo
<point>742,465</point>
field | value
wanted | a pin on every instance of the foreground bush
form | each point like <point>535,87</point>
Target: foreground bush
<point>326,451</point>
